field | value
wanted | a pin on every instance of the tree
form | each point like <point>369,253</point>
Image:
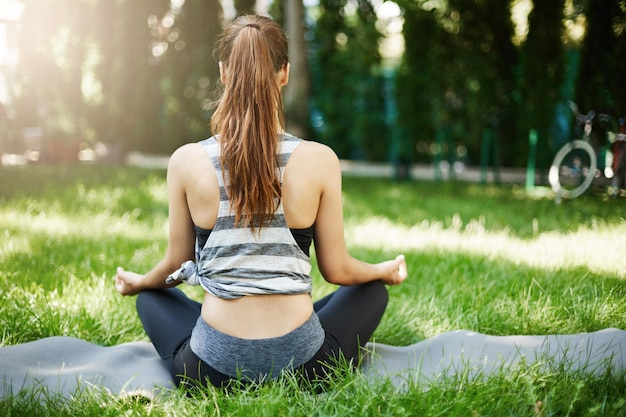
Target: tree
<point>456,76</point>
<point>129,113</point>
<point>418,87</point>
<point>542,74</point>
<point>348,88</point>
<point>602,79</point>
<point>191,72</point>
<point>297,91</point>
<point>85,71</point>
<point>245,7</point>
<point>619,55</point>
<point>49,71</point>
<point>485,76</point>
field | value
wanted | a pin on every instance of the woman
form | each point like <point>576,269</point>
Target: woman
<point>246,204</point>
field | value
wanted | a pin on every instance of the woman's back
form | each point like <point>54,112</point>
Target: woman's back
<point>306,176</point>
<point>308,173</point>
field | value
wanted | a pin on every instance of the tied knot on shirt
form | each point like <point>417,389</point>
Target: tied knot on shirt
<point>188,272</point>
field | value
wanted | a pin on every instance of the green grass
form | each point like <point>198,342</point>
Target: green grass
<point>489,258</point>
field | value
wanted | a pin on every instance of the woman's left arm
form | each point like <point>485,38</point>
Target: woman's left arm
<point>181,240</point>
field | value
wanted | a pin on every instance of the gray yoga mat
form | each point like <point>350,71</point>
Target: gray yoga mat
<point>62,365</point>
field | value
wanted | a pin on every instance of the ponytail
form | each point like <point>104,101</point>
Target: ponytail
<point>249,116</point>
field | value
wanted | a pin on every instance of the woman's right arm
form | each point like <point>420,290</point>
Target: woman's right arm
<point>334,262</point>
<point>181,239</point>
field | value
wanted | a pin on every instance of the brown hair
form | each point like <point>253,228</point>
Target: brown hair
<point>249,116</point>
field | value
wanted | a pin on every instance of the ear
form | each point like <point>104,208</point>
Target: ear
<point>222,72</point>
<point>283,75</point>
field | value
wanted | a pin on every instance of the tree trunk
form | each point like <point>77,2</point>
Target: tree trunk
<point>296,94</point>
<point>244,7</point>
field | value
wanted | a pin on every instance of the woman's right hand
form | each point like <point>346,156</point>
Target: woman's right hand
<point>127,282</point>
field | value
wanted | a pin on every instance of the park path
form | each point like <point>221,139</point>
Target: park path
<point>386,170</point>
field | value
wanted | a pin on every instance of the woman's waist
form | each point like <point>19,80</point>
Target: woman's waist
<point>257,358</point>
<point>257,316</point>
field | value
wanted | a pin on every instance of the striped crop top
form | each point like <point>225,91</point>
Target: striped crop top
<point>235,261</point>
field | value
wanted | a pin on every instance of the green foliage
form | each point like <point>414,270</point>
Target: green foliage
<point>542,74</point>
<point>117,71</point>
<point>462,75</point>
<point>417,87</point>
<point>600,85</point>
<point>244,6</point>
<point>348,82</point>
<point>60,40</point>
<point>277,12</point>
<point>191,73</point>
<point>456,77</point>
<point>123,73</point>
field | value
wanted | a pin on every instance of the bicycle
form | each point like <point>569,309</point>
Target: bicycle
<point>575,165</point>
<point>619,158</point>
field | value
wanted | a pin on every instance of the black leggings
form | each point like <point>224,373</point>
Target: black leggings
<point>349,317</point>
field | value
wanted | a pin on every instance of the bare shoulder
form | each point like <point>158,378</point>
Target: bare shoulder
<point>316,154</point>
<point>187,157</point>
<point>185,152</point>
<point>317,148</point>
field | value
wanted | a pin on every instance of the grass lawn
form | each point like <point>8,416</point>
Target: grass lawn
<point>491,259</point>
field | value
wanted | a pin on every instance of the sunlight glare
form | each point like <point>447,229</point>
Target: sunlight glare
<point>548,250</point>
<point>11,10</point>
<point>519,14</point>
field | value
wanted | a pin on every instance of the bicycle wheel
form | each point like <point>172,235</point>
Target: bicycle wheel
<point>573,169</point>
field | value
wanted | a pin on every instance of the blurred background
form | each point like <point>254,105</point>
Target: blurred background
<point>406,81</point>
